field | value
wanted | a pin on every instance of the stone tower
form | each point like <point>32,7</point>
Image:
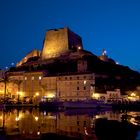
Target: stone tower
<point>59,41</point>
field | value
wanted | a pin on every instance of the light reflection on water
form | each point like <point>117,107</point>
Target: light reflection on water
<point>81,124</point>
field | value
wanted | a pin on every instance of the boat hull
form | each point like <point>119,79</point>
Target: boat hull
<point>78,105</point>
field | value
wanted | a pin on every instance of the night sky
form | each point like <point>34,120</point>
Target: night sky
<point>113,25</point>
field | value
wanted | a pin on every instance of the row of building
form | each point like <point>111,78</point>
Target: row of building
<point>36,87</point>
<point>63,71</point>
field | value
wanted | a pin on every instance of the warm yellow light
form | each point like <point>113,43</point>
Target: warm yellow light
<point>133,94</point>
<point>36,118</point>
<point>129,97</point>
<point>133,121</point>
<point>85,82</point>
<point>20,115</point>
<point>20,93</point>
<point>97,117</point>
<point>33,78</point>
<point>17,119</point>
<point>38,133</point>
<point>95,95</point>
<point>133,98</point>
<point>36,94</point>
<point>51,117</point>
<point>50,95</point>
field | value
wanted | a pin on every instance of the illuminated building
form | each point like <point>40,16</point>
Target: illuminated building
<point>59,41</point>
<point>30,55</point>
<point>63,70</point>
<point>61,87</point>
<point>37,85</point>
<point>75,87</point>
<point>109,95</point>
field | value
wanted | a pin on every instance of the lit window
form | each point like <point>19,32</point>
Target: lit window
<point>85,82</point>
<point>40,77</point>
<point>38,133</point>
<point>33,78</point>
<point>79,48</point>
<point>25,78</point>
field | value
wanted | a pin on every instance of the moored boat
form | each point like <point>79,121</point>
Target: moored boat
<point>86,104</point>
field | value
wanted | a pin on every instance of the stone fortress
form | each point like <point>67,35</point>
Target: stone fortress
<point>60,41</point>
<point>63,70</point>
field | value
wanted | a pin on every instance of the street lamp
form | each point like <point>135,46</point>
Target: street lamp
<point>36,94</point>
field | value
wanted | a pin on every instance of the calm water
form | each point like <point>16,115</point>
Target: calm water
<point>71,124</point>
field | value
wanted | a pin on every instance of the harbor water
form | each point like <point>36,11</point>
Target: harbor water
<point>77,124</point>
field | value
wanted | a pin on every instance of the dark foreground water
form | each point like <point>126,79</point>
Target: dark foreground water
<point>86,124</point>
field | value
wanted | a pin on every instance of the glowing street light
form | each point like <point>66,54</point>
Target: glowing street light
<point>133,94</point>
<point>17,119</point>
<point>36,94</point>
<point>79,48</point>
<point>36,118</point>
<point>85,82</point>
<point>38,133</point>
<point>95,95</point>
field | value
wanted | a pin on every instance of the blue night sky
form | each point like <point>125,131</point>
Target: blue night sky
<point>113,25</point>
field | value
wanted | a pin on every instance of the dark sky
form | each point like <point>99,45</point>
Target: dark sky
<point>113,25</point>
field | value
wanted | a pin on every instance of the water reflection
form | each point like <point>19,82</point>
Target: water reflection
<point>81,124</point>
